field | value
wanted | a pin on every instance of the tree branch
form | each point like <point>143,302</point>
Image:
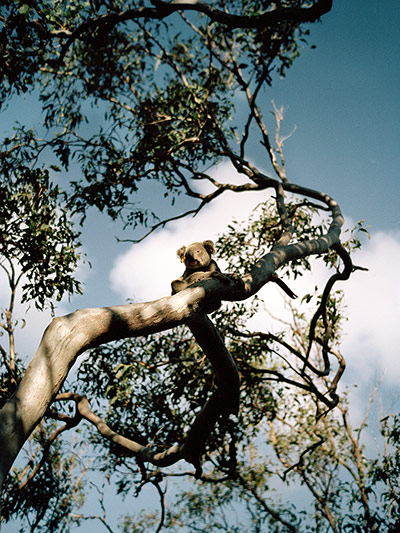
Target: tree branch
<point>162,10</point>
<point>68,336</point>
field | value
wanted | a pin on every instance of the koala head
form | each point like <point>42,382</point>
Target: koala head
<point>196,255</point>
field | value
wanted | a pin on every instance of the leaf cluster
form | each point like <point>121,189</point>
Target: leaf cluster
<point>38,244</point>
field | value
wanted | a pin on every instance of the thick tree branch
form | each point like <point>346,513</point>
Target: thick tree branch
<point>68,336</point>
<point>232,21</point>
<point>172,455</point>
<point>162,10</point>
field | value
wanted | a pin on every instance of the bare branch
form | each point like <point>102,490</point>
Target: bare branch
<point>162,505</point>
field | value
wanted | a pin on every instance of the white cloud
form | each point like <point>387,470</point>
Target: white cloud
<point>372,338</point>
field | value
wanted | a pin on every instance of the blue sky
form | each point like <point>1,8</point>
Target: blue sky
<point>343,98</point>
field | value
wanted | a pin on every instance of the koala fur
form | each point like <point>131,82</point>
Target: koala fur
<point>199,265</point>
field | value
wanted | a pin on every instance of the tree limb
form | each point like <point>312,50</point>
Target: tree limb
<point>67,337</point>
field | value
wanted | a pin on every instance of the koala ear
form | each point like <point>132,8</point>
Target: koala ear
<point>209,246</point>
<point>181,253</point>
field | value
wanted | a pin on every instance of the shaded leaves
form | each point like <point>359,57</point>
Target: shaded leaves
<point>38,244</point>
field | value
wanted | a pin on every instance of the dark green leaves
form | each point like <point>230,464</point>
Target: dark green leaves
<point>38,246</point>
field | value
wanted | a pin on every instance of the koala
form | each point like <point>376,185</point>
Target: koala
<point>199,265</point>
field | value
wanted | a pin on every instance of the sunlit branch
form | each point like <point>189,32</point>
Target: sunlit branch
<point>118,103</point>
<point>279,141</point>
<point>287,226</point>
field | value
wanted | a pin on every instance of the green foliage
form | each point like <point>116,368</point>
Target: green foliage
<point>163,94</point>
<point>385,473</point>
<point>38,244</point>
<point>39,255</point>
<point>45,494</point>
